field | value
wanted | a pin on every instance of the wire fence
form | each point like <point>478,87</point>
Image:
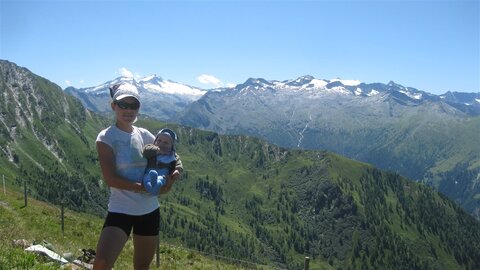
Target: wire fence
<point>240,262</point>
<point>249,264</point>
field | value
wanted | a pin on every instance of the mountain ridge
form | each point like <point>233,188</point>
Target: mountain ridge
<point>246,198</point>
<point>419,135</point>
<point>376,123</point>
<point>371,122</point>
<point>160,98</point>
<point>153,83</point>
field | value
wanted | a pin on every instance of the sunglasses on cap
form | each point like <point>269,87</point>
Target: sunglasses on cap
<point>125,105</point>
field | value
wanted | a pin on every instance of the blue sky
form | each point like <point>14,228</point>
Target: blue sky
<point>430,45</point>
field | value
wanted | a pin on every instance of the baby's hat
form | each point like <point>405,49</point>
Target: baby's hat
<point>170,133</point>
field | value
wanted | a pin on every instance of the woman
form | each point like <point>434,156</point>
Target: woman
<point>130,207</point>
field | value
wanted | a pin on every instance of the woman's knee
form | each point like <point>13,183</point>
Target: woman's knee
<point>102,264</point>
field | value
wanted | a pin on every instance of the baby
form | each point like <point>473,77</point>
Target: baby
<point>162,160</point>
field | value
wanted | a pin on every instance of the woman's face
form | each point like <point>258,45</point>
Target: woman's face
<point>126,109</point>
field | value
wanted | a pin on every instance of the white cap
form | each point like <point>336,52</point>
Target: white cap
<point>123,90</point>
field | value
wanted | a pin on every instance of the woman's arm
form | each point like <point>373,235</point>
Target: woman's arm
<point>107,165</point>
<point>179,165</point>
<point>170,180</point>
<point>173,177</point>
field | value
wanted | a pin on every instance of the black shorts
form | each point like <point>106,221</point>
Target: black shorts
<point>146,225</point>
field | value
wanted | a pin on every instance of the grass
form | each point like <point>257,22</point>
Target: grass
<point>39,222</point>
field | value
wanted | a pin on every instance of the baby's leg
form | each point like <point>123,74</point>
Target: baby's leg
<point>150,182</point>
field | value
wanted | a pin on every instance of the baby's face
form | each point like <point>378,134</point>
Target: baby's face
<point>164,142</point>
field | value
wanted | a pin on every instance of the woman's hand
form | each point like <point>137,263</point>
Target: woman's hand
<point>170,180</point>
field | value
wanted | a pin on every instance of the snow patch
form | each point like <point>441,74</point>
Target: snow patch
<point>148,78</point>
<point>347,82</point>
<point>279,84</point>
<point>358,91</point>
<point>173,88</point>
<point>339,89</point>
<point>411,95</point>
<point>373,93</point>
<point>319,83</point>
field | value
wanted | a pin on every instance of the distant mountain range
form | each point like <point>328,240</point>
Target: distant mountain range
<point>429,138</point>
<point>239,196</point>
<point>161,99</point>
<point>159,94</point>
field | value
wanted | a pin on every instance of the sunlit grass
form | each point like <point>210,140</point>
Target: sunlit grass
<point>40,223</point>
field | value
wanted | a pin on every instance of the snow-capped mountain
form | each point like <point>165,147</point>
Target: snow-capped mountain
<point>311,88</point>
<point>394,127</point>
<point>319,87</point>
<point>427,137</point>
<point>358,88</point>
<point>464,98</point>
<point>151,84</point>
<point>260,107</point>
<point>161,99</point>
<point>155,84</point>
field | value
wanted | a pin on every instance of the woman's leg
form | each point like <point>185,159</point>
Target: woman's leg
<point>110,244</point>
<point>144,250</point>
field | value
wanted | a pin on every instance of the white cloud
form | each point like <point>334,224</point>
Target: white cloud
<point>209,79</point>
<point>126,73</point>
<point>231,85</point>
<point>68,83</point>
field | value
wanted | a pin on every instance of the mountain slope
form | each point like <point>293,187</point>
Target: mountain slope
<point>283,203</point>
<point>423,136</point>
<point>419,135</point>
<point>244,198</point>
<point>162,99</point>
<point>41,222</point>
<point>47,135</point>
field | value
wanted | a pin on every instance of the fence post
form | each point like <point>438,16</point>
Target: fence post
<point>158,250</point>
<point>307,263</point>
<point>25,192</point>
<point>63,223</point>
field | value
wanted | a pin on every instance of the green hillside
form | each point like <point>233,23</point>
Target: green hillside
<point>40,222</point>
<point>47,136</point>
<point>428,140</point>
<point>282,205</point>
<point>239,197</point>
